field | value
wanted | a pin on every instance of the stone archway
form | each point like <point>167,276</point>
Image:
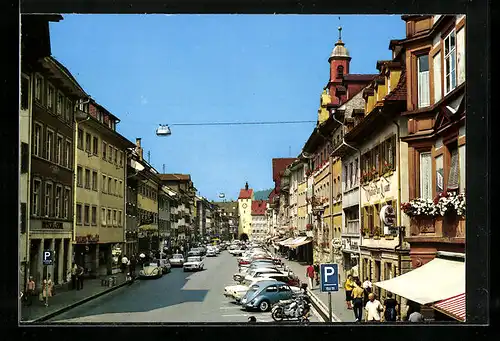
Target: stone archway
<point>244,237</point>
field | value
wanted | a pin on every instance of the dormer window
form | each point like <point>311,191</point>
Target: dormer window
<point>340,71</point>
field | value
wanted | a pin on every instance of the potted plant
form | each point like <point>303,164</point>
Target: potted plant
<point>366,231</point>
<point>376,233</point>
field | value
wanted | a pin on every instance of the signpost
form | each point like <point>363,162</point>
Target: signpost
<point>48,259</point>
<point>329,282</point>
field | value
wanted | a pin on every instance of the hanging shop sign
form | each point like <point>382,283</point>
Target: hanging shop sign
<point>388,216</point>
<point>88,239</point>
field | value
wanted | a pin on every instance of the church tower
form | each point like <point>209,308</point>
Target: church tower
<point>339,66</point>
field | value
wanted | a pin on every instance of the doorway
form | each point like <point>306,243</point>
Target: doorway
<point>377,277</point>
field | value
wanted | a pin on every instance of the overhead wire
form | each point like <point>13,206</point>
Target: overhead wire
<point>239,123</point>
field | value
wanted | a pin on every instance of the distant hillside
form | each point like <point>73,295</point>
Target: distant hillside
<point>262,195</point>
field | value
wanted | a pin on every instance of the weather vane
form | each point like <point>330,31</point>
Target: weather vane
<point>340,31</point>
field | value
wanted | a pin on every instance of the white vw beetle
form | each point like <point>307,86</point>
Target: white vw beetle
<point>194,263</point>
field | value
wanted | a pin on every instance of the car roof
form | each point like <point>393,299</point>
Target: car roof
<point>267,283</point>
<point>264,269</point>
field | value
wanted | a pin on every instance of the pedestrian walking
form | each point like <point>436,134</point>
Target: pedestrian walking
<point>46,290</point>
<point>310,276</point>
<point>390,308</point>
<point>74,270</point>
<point>30,291</point>
<point>367,287</point>
<point>132,266</point>
<point>348,286</point>
<point>79,277</point>
<point>316,271</point>
<point>373,308</point>
<point>357,301</point>
<point>124,263</point>
<point>415,315</point>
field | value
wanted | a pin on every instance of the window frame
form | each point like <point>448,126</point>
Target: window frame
<point>37,145</point>
<point>68,110</point>
<point>420,174</point>
<point>88,142</point>
<point>95,145</point>
<point>86,214</point>
<point>51,98</point>
<point>95,176</point>
<point>93,215</point>
<point>104,185</point>
<point>59,149</point>
<point>67,154</point>
<point>79,214</point>
<point>80,138</point>
<point>58,201</point>
<point>48,198</point>
<point>39,91</point>
<point>420,103</point>
<point>66,201</point>
<point>36,196</point>
<point>104,150</point>
<point>60,107</point>
<point>103,216</point>
<point>49,152</point>
<point>447,55</point>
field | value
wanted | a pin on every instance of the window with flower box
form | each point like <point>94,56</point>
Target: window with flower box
<point>425,175</point>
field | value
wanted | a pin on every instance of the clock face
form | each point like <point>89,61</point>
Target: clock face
<point>244,205</point>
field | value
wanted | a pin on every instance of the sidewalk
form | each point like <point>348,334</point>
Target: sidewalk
<point>339,308</point>
<point>66,299</point>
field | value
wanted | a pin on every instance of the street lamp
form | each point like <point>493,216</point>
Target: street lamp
<point>163,130</point>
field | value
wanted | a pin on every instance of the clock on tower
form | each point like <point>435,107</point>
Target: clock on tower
<point>244,205</point>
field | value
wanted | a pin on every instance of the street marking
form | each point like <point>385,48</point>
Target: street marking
<point>235,307</point>
<point>235,315</point>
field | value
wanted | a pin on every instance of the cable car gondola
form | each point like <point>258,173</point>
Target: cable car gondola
<point>163,130</point>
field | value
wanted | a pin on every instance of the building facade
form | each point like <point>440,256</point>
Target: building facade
<point>245,199</point>
<point>100,190</point>
<point>259,224</point>
<point>435,59</point>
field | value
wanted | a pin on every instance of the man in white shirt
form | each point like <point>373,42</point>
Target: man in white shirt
<point>367,288</point>
<point>373,308</point>
<point>124,263</point>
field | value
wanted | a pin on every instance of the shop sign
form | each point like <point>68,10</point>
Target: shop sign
<point>88,239</point>
<point>388,216</point>
<point>52,225</point>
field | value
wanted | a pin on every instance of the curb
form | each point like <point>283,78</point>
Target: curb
<point>321,308</point>
<point>76,304</point>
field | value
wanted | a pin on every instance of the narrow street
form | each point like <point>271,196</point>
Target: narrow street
<point>176,297</point>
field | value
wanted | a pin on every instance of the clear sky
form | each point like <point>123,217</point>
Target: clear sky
<point>152,69</point>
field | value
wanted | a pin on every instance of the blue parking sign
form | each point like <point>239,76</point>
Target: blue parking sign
<point>48,257</point>
<point>329,277</point>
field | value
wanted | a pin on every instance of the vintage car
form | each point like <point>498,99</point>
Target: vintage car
<point>239,290</point>
<point>177,260</point>
<point>194,263</point>
<point>151,270</point>
<point>165,265</point>
<point>261,271</point>
<point>211,252</point>
<point>264,294</point>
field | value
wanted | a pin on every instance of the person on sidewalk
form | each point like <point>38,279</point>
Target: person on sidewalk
<point>367,287</point>
<point>79,277</point>
<point>30,291</point>
<point>124,263</point>
<point>348,286</point>
<point>373,309</point>
<point>46,290</point>
<point>74,270</point>
<point>415,315</point>
<point>316,271</point>
<point>391,308</point>
<point>310,276</point>
<point>357,301</point>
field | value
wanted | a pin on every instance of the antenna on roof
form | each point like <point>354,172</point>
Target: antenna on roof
<point>163,169</point>
<point>149,157</point>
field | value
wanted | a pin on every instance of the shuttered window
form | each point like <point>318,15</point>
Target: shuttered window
<point>425,175</point>
<point>454,175</point>
<point>439,174</point>
<point>423,81</point>
<point>437,77</point>
<point>461,156</point>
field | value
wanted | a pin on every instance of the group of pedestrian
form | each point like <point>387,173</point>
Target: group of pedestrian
<point>128,266</point>
<point>77,273</point>
<point>46,291</point>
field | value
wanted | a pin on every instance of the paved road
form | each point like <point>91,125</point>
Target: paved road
<point>176,297</point>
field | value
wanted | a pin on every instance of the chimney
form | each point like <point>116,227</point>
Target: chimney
<point>246,186</point>
<point>138,148</point>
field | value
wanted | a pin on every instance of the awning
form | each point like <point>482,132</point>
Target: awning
<point>300,241</point>
<point>136,165</point>
<point>435,281</point>
<point>285,242</point>
<point>453,307</point>
<point>149,227</point>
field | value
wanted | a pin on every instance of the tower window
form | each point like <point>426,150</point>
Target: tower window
<point>340,71</point>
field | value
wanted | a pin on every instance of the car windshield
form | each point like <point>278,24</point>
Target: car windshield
<point>194,259</point>
<point>178,256</point>
<point>153,264</point>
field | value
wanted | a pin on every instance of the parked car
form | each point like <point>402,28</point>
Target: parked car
<point>151,270</point>
<point>291,279</point>
<point>260,271</point>
<point>237,291</point>
<point>264,294</point>
<point>194,252</point>
<point>165,265</point>
<point>211,252</point>
<point>177,260</point>
<point>194,263</point>
<point>240,276</point>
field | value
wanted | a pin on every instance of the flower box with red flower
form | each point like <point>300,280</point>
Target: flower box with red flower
<point>309,227</point>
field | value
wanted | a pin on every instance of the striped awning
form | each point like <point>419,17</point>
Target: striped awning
<point>453,307</point>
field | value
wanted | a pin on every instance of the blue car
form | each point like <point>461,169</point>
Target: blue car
<point>264,294</point>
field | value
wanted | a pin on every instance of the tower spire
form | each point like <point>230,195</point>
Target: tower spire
<point>340,33</point>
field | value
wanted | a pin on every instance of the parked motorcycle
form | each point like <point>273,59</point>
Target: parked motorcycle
<point>299,307</point>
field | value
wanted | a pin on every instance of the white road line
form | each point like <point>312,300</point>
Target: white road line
<point>235,315</point>
<point>235,307</point>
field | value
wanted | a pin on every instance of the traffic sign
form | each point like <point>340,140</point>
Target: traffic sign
<point>329,277</point>
<point>48,257</point>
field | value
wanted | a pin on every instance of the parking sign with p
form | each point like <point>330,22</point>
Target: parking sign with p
<point>329,277</point>
<point>48,257</point>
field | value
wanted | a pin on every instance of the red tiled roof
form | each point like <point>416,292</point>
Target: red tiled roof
<point>399,92</point>
<point>245,194</point>
<point>259,207</point>
<point>359,77</point>
<point>174,177</point>
<point>279,166</point>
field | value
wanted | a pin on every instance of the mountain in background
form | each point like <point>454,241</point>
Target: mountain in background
<point>262,195</point>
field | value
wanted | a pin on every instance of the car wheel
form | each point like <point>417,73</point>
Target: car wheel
<point>264,305</point>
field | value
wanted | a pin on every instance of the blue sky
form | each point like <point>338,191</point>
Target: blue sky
<point>152,69</point>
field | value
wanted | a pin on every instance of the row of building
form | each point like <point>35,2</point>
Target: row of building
<point>86,192</point>
<point>379,186</point>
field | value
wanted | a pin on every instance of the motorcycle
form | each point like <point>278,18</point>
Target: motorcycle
<point>299,307</point>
